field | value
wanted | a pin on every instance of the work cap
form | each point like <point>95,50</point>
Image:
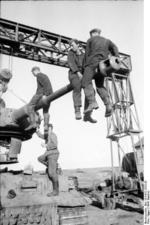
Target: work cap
<point>6,74</point>
<point>73,40</point>
<point>35,68</point>
<point>95,30</point>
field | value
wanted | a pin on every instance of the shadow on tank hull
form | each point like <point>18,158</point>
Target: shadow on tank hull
<point>24,201</point>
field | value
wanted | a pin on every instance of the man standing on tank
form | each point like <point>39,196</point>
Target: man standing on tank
<point>50,158</point>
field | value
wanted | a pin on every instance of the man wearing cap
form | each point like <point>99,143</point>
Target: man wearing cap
<point>44,88</point>
<point>75,62</point>
<point>5,76</point>
<point>98,48</point>
<point>50,158</point>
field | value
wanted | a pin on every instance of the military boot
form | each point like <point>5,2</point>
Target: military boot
<point>55,191</point>
<point>88,118</point>
<point>77,113</point>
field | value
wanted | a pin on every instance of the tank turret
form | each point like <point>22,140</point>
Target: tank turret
<point>11,135</point>
<point>13,124</point>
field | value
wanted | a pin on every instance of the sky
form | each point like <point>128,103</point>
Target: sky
<point>81,144</point>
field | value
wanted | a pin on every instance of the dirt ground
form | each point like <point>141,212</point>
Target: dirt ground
<point>97,216</point>
<point>122,215</point>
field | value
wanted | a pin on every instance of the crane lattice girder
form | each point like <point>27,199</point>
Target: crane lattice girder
<point>34,44</point>
<point>123,127</point>
<point>124,119</point>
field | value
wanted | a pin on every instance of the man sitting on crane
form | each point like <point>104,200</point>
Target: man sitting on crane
<point>44,88</point>
<point>75,62</point>
<point>97,49</point>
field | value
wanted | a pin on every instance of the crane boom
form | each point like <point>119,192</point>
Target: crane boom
<point>31,43</point>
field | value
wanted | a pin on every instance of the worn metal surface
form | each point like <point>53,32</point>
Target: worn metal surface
<point>30,204</point>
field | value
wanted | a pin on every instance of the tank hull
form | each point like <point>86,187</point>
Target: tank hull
<point>30,204</point>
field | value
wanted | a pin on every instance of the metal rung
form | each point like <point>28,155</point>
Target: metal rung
<point>117,135</point>
<point>120,74</point>
<point>123,134</point>
<point>119,104</point>
<point>135,131</point>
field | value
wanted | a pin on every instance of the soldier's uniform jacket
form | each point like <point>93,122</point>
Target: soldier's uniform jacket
<point>98,48</point>
<point>52,140</point>
<point>75,61</point>
<point>44,86</point>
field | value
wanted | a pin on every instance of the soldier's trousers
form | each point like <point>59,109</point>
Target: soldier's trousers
<point>89,74</point>
<point>76,93</point>
<point>34,102</point>
<point>31,109</point>
<point>49,159</point>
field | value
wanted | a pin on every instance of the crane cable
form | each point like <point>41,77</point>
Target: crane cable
<point>13,93</point>
<point>10,65</point>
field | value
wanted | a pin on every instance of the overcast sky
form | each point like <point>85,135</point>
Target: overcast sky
<point>80,144</point>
